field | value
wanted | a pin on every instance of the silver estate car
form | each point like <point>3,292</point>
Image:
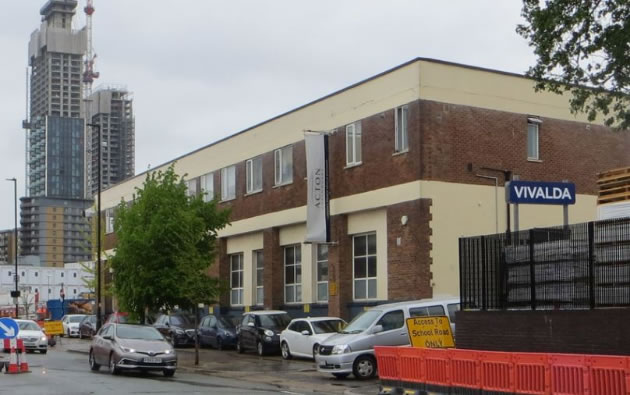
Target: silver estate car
<point>132,347</point>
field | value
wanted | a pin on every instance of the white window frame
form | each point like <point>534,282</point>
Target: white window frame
<point>365,279</point>
<point>228,183</point>
<point>259,266</point>
<point>238,269</point>
<point>533,131</point>
<point>253,175</point>
<point>401,127</point>
<point>109,221</point>
<point>322,297</point>
<point>354,155</point>
<point>296,264</point>
<point>191,187</point>
<point>207,186</point>
<point>280,157</point>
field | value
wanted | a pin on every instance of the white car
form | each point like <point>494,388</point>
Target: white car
<point>304,335</point>
<point>32,335</point>
<point>71,323</point>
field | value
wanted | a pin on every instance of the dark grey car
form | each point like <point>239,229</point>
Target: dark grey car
<point>132,347</point>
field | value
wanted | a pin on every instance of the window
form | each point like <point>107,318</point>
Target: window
<point>236,279</point>
<point>228,183</point>
<point>254,175</point>
<point>392,320</point>
<point>293,274</point>
<point>74,275</point>
<point>426,311</point>
<point>61,274</point>
<point>36,274</point>
<point>452,309</point>
<point>364,258</point>
<point>353,144</point>
<point>401,143</point>
<point>109,221</point>
<point>207,186</point>
<point>322,273</point>
<point>283,165</point>
<point>532,141</point>
<point>191,187</point>
<point>259,264</point>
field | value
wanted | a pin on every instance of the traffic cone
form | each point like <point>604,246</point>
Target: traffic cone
<point>22,359</point>
<point>13,364</point>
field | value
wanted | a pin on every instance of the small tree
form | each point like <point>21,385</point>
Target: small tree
<point>165,246</point>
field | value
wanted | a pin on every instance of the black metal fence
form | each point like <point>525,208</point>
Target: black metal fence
<point>581,266</point>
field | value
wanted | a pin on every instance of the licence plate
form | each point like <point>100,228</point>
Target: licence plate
<point>152,360</point>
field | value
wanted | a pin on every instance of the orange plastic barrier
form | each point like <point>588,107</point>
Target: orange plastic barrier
<point>497,371</point>
<point>569,374</point>
<point>412,364</point>
<point>609,375</point>
<point>465,368</point>
<point>387,361</point>
<point>438,367</point>
<point>531,373</point>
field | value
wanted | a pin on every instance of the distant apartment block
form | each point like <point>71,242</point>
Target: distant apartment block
<point>7,246</point>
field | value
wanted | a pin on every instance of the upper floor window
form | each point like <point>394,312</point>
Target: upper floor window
<point>109,220</point>
<point>353,144</point>
<point>228,183</point>
<point>254,174</point>
<point>401,143</point>
<point>533,139</point>
<point>283,165</point>
<point>191,187</point>
<point>207,186</point>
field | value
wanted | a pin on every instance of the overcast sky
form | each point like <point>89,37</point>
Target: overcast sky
<point>201,70</point>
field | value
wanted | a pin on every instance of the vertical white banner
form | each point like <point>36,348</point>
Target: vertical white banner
<point>317,196</point>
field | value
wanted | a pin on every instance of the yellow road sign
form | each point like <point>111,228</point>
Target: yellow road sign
<point>430,332</point>
<point>53,327</point>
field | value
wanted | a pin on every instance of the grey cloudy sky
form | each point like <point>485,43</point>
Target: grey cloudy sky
<point>200,70</point>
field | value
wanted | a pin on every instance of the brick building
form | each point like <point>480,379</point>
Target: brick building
<point>412,152</point>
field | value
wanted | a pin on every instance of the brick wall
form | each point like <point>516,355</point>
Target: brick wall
<point>603,331</point>
<point>273,274</point>
<point>339,268</point>
<point>409,250</point>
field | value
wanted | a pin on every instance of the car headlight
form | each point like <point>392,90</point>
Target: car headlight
<point>269,333</point>
<point>168,351</point>
<point>43,338</point>
<point>125,349</point>
<point>341,349</point>
<point>179,331</point>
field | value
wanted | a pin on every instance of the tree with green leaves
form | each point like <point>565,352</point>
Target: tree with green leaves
<point>582,47</point>
<point>166,242</point>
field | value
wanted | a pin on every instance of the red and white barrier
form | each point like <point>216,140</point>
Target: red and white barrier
<point>17,359</point>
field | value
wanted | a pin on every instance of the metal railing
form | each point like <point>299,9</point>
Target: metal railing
<point>581,266</point>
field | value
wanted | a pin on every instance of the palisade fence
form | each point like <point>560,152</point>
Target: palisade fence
<point>581,266</point>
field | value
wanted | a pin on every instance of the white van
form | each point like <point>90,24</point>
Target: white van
<point>352,350</point>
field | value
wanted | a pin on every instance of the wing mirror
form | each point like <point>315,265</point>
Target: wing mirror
<point>377,329</point>
<point>306,333</point>
<point>107,337</point>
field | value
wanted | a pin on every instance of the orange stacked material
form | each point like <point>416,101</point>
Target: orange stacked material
<point>614,185</point>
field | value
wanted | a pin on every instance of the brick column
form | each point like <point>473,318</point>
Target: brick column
<point>220,269</point>
<point>409,251</point>
<point>273,277</point>
<point>339,268</point>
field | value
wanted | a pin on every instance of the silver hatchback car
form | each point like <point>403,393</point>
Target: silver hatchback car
<point>132,347</point>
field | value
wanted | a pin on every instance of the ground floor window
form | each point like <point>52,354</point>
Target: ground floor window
<point>322,273</point>
<point>259,264</point>
<point>364,266</point>
<point>293,274</point>
<point>236,279</point>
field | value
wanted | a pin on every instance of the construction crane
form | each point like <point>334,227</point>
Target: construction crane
<point>89,75</point>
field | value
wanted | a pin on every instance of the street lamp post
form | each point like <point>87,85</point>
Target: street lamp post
<point>98,228</point>
<point>15,236</point>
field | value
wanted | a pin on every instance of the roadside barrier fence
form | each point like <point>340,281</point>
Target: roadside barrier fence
<point>408,370</point>
<point>17,360</point>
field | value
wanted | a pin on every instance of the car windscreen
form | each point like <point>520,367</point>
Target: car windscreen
<point>224,323</point>
<point>28,326</point>
<point>138,332</point>
<point>274,321</point>
<point>328,326</point>
<point>362,321</point>
<point>76,318</point>
<point>182,321</point>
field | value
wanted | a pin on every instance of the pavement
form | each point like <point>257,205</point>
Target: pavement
<point>294,375</point>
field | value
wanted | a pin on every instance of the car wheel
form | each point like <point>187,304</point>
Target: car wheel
<point>219,344</point>
<point>239,347</point>
<point>260,348</point>
<point>341,375</point>
<point>315,348</point>
<point>284,348</point>
<point>93,365</point>
<point>364,367</point>
<point>68,333</point>
<point>112,365</point>
<point>43,351</point>
<point>168,373</point>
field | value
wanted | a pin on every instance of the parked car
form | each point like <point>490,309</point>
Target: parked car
<point>87,327</point>
<point>70,323</point>
<point>303,335</point>
<point>217,332</point>
<point>260,331</point>
<point>179,328</point>
<point>32,335</point>
<point>352,350</point>
<point>132,347</point>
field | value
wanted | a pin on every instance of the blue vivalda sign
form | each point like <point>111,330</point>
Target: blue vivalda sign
<point>533,192</point>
